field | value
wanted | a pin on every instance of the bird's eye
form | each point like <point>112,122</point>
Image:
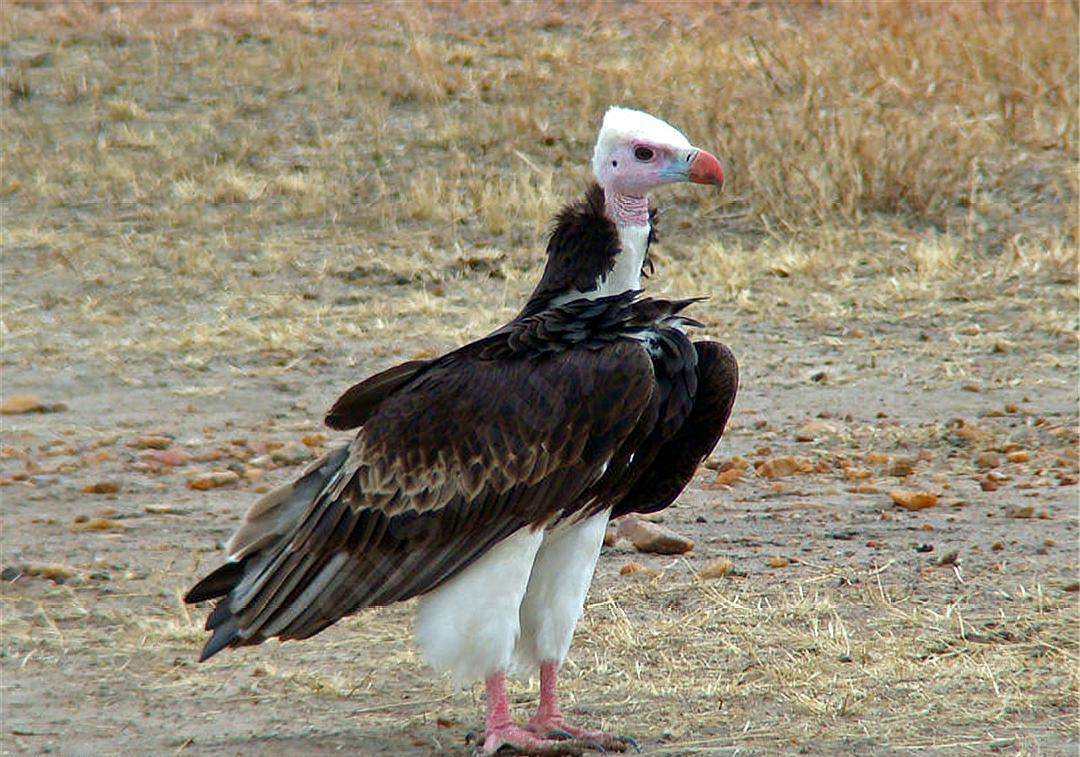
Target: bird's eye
<point>643,153</point>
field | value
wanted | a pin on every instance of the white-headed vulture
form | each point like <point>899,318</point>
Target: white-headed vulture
<point>482,481</point>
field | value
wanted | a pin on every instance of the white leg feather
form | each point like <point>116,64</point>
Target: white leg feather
<point>469,625</point>
<point>555,597</point>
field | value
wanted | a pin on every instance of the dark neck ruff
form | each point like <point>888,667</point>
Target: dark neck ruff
<point>581,250</point>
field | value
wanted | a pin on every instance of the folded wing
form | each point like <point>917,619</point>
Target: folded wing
<point>470,451</point>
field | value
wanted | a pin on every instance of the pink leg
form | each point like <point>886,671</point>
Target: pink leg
<point>501,731</point>
<point>549,721</point>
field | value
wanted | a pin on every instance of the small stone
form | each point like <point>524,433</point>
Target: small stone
<point>717,568</point>
<point>988,484</point>
<point>98,524</point>
<point>975,388</point>
<point>988,460</point>
<point>52,571</point>
<point>778,467</point>
<point>314,440</point>
<point>19,404</point>
<point>949,558</point>
<point>727,477</point>
<point>813,430</point>
<point>1073,587</point>
<point>864,489</point>
<point>902,467</point>
<point>292,454</point>
<point>611,536</point>
<point>151,442</point>
<point>653,538</point>
<point>164,510</point>
<point>1020,511</point>
<point>633,568</point>
<point>102,487</point>
<point>1019,456</point>
<point>261,461</point>
<point>213,480</point>
<point>171,458</point>
<point>913,500</point>
<point>779,562</point>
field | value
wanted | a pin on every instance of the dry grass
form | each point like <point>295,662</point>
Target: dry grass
<point>687,664</point>
<point>241,156</point>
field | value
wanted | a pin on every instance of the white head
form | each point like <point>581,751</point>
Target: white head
<point>636,152</point>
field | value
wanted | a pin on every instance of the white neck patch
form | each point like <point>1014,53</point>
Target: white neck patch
<point>625,275</point>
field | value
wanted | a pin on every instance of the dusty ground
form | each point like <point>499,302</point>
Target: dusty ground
<point>202,247</point>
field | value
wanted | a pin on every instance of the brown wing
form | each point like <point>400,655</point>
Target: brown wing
<point>465,455</point>
<point>360,401</point>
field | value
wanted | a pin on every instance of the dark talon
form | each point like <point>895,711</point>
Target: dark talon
<point>631,742</point>
<point>559,735</point>
<point>472,737</point>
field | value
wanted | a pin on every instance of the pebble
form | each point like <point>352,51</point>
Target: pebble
<point>1020,511</point>
<point>54,572</point>
<point>151,442</point>
<point>913,500</point>
<point>653,538</point>
<point>98,524</point>
<point>717,568</point>
<point>988,460</point>
<point>19,404</point>
<point>902,467</point>
<point>102,487</point>
<point>778,467</point>
<point>726,478</point>
<point>611,536</point>
<point>213,480</point>
<point>633,568</point>
<point>292,454</point>
<point>813,430</point>
<point>779,562</point>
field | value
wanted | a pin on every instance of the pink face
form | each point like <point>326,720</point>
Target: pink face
<point>636,166</point>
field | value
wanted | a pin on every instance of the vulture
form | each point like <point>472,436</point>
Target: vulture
<point>482,481</point>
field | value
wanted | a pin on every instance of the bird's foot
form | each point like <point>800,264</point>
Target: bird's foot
<point>558,729</point>
<point>513,739</point>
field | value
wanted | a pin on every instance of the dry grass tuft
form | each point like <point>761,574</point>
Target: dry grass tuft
<point>230,146</point>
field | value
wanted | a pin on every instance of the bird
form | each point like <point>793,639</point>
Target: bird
<point>482,481</point>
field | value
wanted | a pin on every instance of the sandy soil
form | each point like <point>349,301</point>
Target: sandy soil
<point>102,661</point>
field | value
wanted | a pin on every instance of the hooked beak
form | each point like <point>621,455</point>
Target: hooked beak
<point>705,169</point>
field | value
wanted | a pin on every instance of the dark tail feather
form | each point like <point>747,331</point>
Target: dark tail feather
<point>224,635</point>
<point>217,584</point>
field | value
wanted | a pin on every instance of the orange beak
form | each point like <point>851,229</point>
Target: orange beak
<point>705,169</point>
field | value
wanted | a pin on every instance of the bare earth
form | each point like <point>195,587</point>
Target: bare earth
<point>216,218</point>
<point>104,661</point>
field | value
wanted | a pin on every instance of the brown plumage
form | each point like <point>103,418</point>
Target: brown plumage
<point>555,415</point>
<point>530,424</point>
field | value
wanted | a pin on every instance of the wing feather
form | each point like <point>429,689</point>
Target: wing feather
<point>468,452</point>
